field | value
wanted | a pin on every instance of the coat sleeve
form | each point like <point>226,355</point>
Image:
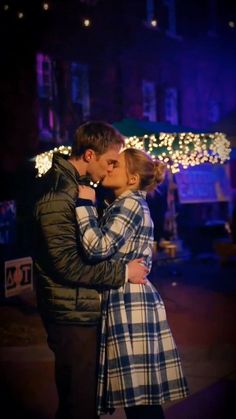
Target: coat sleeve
<point>100,243</point>
<point>58,252</point>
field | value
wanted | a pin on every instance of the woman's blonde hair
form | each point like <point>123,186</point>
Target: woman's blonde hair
<point>151,172</point>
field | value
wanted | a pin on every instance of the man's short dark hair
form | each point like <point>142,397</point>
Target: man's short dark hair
<point>97,135</point>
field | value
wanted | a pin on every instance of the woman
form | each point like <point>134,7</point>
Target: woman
<point>139,366</point>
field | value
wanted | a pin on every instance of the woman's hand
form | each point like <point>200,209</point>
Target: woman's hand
<point>85,192</point>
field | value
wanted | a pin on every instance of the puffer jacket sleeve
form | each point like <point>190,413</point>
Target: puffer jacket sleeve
<point>58,240</point>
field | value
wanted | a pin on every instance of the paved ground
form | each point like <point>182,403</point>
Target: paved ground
<point>200,299</point>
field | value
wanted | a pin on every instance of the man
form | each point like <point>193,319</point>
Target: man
<point>68,289</point>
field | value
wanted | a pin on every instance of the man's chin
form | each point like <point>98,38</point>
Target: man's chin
<point>103,180</point>
<point>104,183</point>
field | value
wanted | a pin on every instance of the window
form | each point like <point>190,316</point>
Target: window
<point>44,76</point>
<point>63,97</point>
<point>149,100</point>
<point>171,105</point>
<point>161,14</point>
<point>170,5</point>
<point>7,222</point>
<point>80,88</point>
<point>45,95</point>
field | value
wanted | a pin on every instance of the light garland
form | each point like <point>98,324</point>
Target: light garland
<point>176,150</point>
<point>43,161</point>
<point>45,6</point>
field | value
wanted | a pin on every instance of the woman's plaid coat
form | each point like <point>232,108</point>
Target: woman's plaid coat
<point>139,362</point>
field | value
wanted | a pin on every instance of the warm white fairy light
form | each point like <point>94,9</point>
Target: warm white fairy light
<point>231,24</point>
<point>176,150</point>
<point>43,161</point>
<point>153,23</point>
<point>45,6</point>
<point>86,22</point>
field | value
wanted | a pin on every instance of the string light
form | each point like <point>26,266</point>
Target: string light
<point>45,6</point>
<point>231,24</point>
<point>176,150</point>
<point>153,23</point>
<point>86,22</point>
<point>20,15</point>
<point>43,161</point>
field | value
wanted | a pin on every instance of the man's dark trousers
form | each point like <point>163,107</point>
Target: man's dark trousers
<point>75,349</point>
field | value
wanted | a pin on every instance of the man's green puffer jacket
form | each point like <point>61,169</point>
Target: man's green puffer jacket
<point>67,288</point>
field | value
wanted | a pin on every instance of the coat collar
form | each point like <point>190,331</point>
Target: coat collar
<point>62,161</point>
<point>139,194</point>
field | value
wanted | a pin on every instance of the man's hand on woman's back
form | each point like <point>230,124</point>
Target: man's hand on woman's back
<point>137,271</point>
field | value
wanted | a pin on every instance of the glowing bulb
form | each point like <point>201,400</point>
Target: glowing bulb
<point>20,15</point>
<point>45,6</point>
<point>231,24</point>
<point>153,23</point>
<point>86,22</point>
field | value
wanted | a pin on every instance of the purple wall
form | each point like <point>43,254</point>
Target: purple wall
<point>120,51</point>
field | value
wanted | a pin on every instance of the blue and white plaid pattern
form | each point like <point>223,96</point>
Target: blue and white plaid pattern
<point>125,229</point>
<point>139,363</point>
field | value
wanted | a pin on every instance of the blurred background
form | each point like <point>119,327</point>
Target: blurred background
<point>168,65</point>
<point>149,67</point>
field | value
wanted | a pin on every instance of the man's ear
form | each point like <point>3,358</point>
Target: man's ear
<point>88,155</point>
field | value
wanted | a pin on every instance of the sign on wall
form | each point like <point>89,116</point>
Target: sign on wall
<point>204,183</point>
<point>18,276</point>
